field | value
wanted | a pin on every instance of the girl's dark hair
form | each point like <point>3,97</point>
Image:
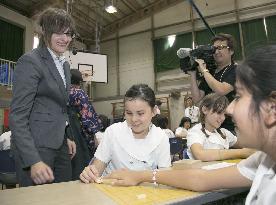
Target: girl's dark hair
<point>160,121</point>
<point>216,103</point>
<point>183,120</point>
<point>54,20</point>
<point>76,77</point>
<point>141,91</point>
<point>258,75</point>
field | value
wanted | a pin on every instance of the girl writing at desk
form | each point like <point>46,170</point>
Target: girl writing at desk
<point>136,143</point>
<point>206,141</point>
<point>254,112</point>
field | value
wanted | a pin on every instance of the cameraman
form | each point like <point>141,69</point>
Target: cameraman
<point>222,79</point>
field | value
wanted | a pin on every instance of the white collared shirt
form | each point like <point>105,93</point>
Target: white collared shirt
<point>213,141</point>
<point>59,61</point>
<point>259,168</point>
<point>192,113</point>
<point>120,149</point>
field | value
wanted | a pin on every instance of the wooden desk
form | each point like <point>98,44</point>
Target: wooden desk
<point>75,192</point>
<point>68,193</point>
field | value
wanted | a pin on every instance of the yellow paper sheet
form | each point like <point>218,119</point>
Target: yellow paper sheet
<point>144,195</point>
<point>232,160</point>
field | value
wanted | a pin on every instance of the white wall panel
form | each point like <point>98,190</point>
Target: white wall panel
<point>260,12</point>
<point>111,36</point>
<point>249,3</point>
<point>216,21</point>
<point>109,89</point>
<point>136,61</point>
<point>106,89</point>
<point>104,107</point>
<point>109,48</point>
<point>176,29</point>
<point>213,7</point>
<point>175,14</point>
<point>140,26</point>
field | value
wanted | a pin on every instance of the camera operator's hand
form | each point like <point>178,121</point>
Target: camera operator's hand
<point>201,66</point>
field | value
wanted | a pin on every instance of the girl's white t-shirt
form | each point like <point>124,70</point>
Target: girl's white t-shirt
<point>120,149</point>
<point>213,141</point>
<point>260,168</point>
<point>181,131</point>
<point>169,133</point>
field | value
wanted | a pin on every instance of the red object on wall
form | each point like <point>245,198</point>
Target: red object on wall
<point>6,117</point>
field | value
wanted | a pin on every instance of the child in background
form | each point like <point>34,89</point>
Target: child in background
<point>206,141</point>
<point>191,111</point>
<point>136,143</point>
<point>162,122</point>
<point>183,128</point>
<point>158,104</point>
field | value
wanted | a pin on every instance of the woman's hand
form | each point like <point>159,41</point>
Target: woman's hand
<point>89,174</point>
<point>125,177</point>
<point>72,149</point>
<point>41,173</point>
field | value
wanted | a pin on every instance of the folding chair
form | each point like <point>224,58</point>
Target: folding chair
<point>176,147</point>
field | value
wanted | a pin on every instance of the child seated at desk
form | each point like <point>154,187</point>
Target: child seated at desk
<point>136,143</point>
<point>162,122</point>
<point>254,112</point>
<point>206,141</point>
<point>183,128</point>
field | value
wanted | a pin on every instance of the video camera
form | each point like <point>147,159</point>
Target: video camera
<point>187,58</point>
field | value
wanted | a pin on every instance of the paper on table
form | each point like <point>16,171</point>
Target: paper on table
<point>218,165</point>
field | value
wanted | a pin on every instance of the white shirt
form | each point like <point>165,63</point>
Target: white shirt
<point>59,60</point>
<point>5,141</point>
<point>214,141</point>
<point>169,133</point>
<point>260,168</point>
<point>192,113</point>
<point>99,136</point>
<point>119,149</point>
<point>181,132</point>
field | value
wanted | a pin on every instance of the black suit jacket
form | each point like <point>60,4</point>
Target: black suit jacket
<point>38,112</point>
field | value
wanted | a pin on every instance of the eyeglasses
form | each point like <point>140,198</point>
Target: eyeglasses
<point>220,47</point>
<point>68,34</point>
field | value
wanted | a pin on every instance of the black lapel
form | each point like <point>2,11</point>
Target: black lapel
<point>67,74</point>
